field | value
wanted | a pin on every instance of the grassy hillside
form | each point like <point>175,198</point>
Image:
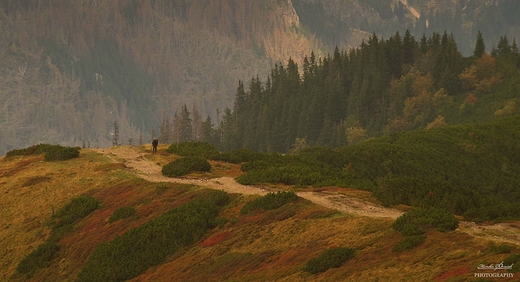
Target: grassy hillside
<point>263,244</point>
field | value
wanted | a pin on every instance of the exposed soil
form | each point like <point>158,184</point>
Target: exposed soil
<point>135,159</point>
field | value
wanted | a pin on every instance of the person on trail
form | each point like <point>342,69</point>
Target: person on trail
<point>155,143</point>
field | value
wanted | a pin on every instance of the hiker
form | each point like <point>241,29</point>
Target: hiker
<point>155,143</point>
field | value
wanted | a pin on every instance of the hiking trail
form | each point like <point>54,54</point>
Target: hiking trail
<point>134,159</point>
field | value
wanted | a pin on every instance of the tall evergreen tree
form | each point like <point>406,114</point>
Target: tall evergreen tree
<point>480,48</point>
<point>409,48</point>
<point>186,126</point>
<point>196,124</point>
<point>115,134</point>
<point>207,132</point>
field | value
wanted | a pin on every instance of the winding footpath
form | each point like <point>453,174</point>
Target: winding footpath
<point>134,159</point>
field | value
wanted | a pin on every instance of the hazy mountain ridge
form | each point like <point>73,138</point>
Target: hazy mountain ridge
<point>72,68</point>
<point>193,52</point>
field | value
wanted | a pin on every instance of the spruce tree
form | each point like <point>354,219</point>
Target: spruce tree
<point>480,48</point>
<point>186,126</point>
<point>115,134</point>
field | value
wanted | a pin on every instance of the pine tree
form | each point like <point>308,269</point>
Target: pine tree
<point>186,128</point>
<point>207,132</point>
<point>115,134</point>
<point>196,125</point>
<point>480,48</point>
<point>409,48</point>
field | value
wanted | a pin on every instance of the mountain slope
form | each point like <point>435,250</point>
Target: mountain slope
<point>266,245</point>
<point>72,68</point>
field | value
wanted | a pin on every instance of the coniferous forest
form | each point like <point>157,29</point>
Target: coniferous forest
<point>382,87</point>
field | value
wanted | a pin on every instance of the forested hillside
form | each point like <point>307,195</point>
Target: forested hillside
<point>384,86</point>
<point>72,68</point>
<point>340,23</point>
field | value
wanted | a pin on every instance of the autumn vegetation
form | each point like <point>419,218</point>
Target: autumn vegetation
<point>132,228</point>
<point>385,86</point>
<point>51,152</point>
<point>185,166</point>
<point>331,258</point>
<point>130,254</point>
<point>62,223</point>
<point>270,201</point>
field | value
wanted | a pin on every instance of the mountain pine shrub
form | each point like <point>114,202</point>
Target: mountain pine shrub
<point>514,260</point>
<point>38,259</point>
<point>121,213</point>
<point>185,166</point>
<point>409,242</point>
<point>332,258</point>
<point>62,223</point>
<point>270,201</point>
<point>147,245</point>
<point>418,220</point>
<point>193,149</point>
<point>52,152</point>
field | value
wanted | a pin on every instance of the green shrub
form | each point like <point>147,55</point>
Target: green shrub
<point>419,220</point>
<point>59,153</point>
<point>499,249</point>
<point>61,223</point>
<point>332,258</point>
<point>147,245</point>
<point>38,259</point>
<point>270,201</point>
<point>78,208</point>
<point>513,260</point>
<point>238,156</point>
<point>409,242</point>
<point>52,152</point>
<point>121,213</point>
<point>469,168</point>
<point>193,149</point>
<point>185,166</point>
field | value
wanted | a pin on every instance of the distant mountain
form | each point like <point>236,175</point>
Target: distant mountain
<point>70,69</point>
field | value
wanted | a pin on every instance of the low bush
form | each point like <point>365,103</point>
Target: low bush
<point>130,254</point>
<point>185,166</point>
<point>61,223</point>
<point>513,260</point>
<point>409,242</point>
<point>238,156</point>
<point>270,201</point>
<point>38,259</point>
<point>121,213</point>
<point>332,258</point>
<point>499,249</point>
<point>193,149</point>
<point>52,152</point>
<point>78,208</point>
<point>60,153</point>
<point>418,220</point>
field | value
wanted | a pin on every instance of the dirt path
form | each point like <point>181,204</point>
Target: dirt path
<point>135,159</point>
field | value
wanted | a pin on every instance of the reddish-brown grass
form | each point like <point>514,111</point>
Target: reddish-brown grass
<point>215,239</point>
<point>264,246</point>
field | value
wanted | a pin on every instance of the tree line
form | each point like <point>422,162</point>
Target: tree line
<point>383,86</point>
